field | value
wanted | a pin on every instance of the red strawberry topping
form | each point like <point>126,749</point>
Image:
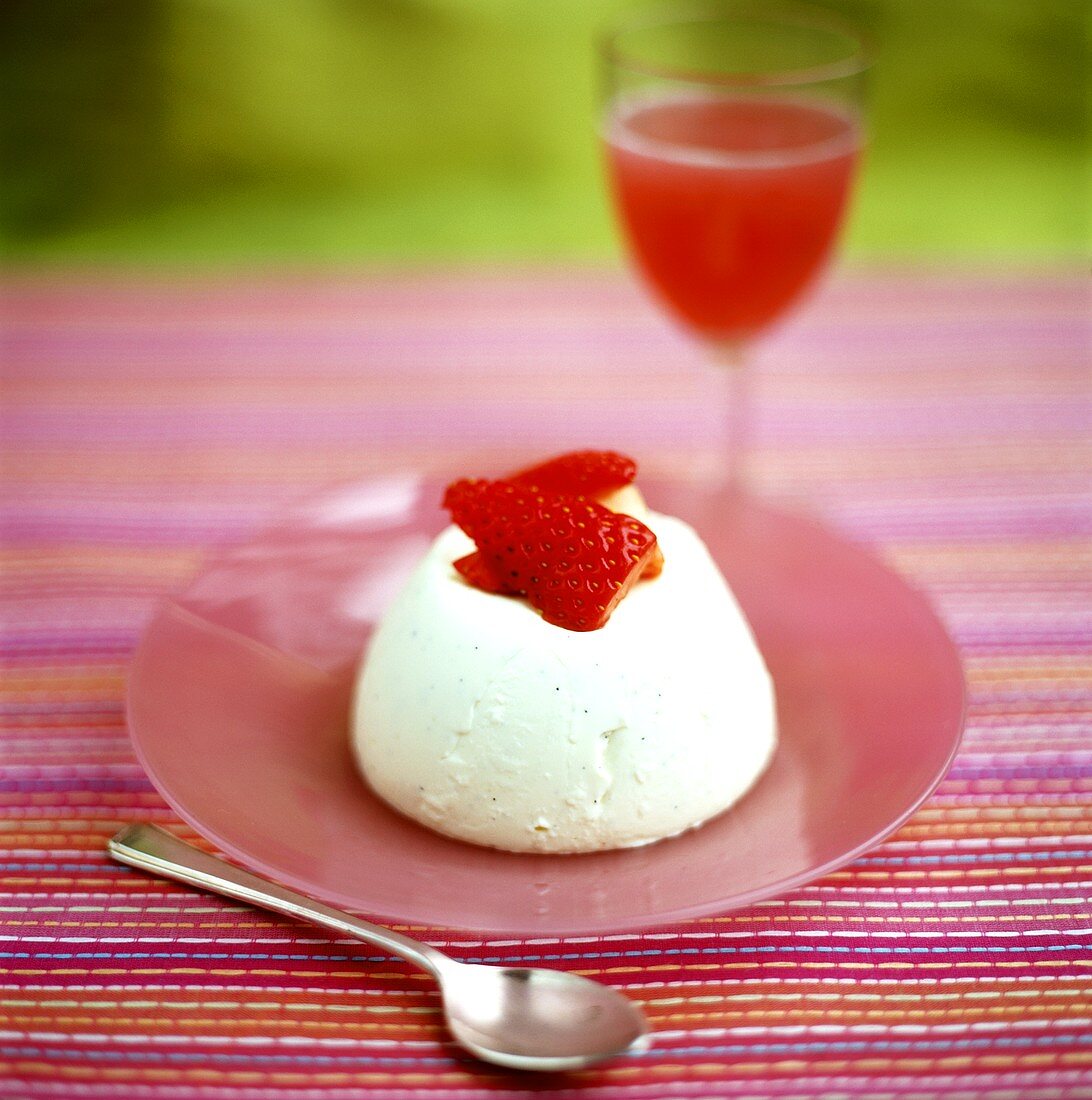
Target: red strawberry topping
<point>597,474</point>
<point>572,558</point>
<point>475,570</point>
<point>583,473</point>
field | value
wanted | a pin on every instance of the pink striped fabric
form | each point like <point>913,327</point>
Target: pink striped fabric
<point>942,418</point>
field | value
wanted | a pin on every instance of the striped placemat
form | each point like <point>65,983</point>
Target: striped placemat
<point>942,418</point>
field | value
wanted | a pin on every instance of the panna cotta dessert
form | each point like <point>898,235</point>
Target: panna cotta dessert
<point>564,671</point>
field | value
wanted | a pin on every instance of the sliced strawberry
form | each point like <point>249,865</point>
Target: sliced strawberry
<point>462,499</point>
<point>579,467</point>
<point>630,502</point>
<point>476,571</point>
<point>573,559</point>
<point>584,473</point>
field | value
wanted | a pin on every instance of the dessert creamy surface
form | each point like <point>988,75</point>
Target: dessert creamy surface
<point>482,721</point>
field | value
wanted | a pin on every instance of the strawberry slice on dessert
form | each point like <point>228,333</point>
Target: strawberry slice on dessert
<point>604,476</point>
<point>573,559</point>
<point>583,473</point>
<point>475,570</point>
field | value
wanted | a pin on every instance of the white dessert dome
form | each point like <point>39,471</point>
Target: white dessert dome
<point>482,721</point>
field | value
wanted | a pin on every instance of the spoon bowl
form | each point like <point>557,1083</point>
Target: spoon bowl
<point>544,1020</point>
<point>539,1019</point>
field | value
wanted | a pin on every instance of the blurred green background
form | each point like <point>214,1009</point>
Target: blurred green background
<point>239,131</point>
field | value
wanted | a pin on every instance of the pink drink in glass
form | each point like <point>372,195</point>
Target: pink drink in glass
<point>731,204</point>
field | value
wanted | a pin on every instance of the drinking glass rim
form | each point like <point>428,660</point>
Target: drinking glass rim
<point>675,13</point>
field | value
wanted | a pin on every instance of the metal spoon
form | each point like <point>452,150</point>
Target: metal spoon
<point>525,1019</point>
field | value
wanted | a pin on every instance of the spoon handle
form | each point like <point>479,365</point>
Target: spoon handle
<point>150,848</point>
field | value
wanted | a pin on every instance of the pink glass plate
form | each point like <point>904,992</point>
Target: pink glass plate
<point>240,690</point>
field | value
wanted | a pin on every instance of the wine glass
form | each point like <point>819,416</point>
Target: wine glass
<point>732,131</point>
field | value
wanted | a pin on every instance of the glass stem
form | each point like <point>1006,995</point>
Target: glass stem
<point>730,361</point>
